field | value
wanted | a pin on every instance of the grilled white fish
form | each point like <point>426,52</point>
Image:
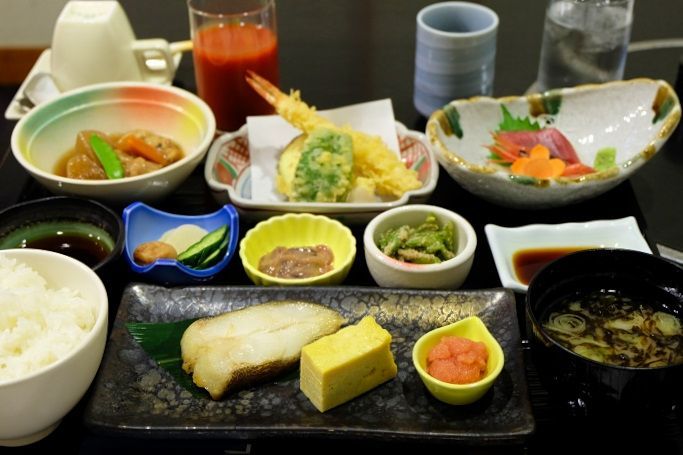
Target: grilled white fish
<point>252,344</point>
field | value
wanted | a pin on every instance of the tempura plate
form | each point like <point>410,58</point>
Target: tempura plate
<point>228,173</point>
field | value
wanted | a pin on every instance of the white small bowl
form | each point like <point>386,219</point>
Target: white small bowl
<point>48,132</point>
<point>389,272</point>
<point>622,233</point>
<point>33,405</point>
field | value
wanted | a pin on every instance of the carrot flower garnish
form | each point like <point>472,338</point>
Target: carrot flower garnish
<point>538,164</point>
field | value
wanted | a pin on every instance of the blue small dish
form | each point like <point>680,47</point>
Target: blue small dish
<point>143,223</point>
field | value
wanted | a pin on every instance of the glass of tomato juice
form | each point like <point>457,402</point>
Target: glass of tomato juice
<point>230,37</point>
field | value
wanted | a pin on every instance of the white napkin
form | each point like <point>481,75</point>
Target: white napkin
<point>269,134</point>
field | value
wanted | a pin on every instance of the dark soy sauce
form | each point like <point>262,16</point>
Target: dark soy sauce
<point>85,248</point>
<point>528,262</point>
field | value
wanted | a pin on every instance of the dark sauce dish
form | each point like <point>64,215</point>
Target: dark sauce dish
<point>584,386</point>
<point>80,228</point>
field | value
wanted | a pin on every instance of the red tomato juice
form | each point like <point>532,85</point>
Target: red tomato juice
<point>222,54</point>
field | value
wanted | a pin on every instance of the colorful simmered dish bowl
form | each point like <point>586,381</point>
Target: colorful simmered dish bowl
<point>601,133</point>
<point>49,131</point>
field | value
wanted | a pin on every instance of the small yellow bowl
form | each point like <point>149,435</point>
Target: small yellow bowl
<point>474,329</point>
<point>295,230</point>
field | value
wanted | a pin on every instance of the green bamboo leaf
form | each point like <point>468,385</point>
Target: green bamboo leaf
<point>161,341</point>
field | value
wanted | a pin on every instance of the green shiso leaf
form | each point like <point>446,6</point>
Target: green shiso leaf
<point>511,123</point>
<point>605,159</point>
<point>161,341</point>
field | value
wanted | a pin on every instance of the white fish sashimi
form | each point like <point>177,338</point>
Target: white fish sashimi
<point>252,344</point>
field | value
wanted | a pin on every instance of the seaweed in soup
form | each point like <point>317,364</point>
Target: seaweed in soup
<point>617,329</point>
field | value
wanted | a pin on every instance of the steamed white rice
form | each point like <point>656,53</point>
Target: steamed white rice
<point>38,326</point>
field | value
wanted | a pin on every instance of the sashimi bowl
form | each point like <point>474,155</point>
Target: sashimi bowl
<point>554,148</point>
<point>171,248</point>
<point>167,132</point>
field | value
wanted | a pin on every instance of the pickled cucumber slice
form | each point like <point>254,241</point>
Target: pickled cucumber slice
<point>197,253</point>
<point>216,256</point>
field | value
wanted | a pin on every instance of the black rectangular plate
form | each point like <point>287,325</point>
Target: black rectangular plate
<point>134,397</point>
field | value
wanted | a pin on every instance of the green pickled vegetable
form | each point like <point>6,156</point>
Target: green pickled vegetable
<point>216,255</point>
<point>428,243</point>
<point>107,157</point>
<point>198,255</point>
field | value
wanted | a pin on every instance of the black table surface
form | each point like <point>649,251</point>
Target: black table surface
<point>345,52</point>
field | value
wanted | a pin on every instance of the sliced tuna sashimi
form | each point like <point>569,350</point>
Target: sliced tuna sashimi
<point>552,138</point>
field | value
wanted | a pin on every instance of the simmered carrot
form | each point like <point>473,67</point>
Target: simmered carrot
<point>139,147</point>
<point>538,164</point>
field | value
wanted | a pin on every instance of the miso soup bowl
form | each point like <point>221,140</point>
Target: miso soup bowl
<point>585,385</point>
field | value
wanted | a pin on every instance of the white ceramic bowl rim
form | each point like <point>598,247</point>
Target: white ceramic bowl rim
<point>102,306</point>
<point>206,111</point>
<point>307,281</point>
<point>460,222</point>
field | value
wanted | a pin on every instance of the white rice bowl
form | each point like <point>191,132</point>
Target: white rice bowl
<point>53,328</point>
<point>38,325</point>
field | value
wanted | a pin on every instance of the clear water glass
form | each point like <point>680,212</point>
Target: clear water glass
<point>584,41</point>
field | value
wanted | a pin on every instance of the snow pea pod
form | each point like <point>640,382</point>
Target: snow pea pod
<point>107,156</point>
